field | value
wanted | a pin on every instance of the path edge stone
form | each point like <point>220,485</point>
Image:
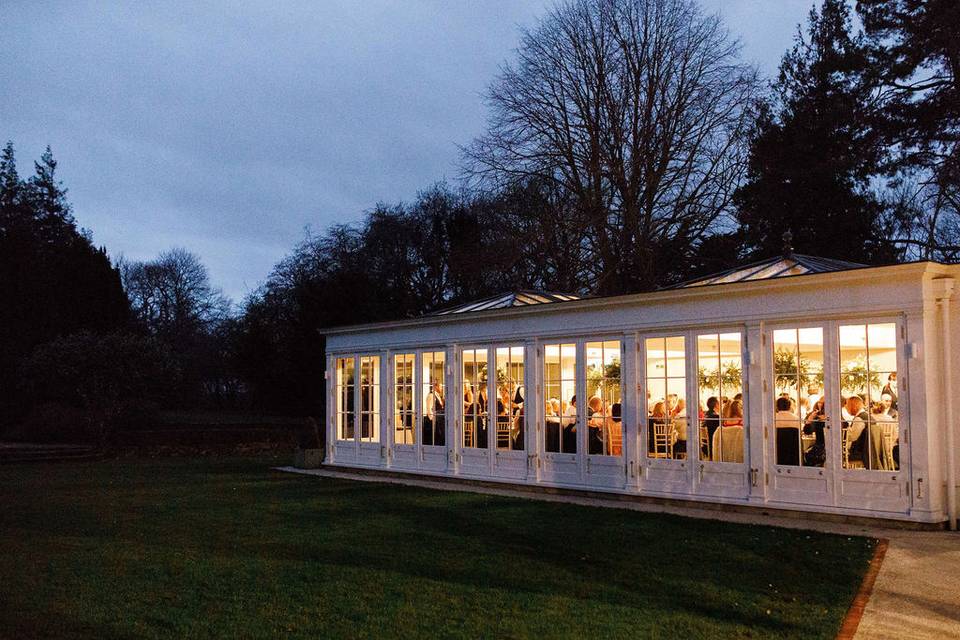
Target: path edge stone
<point>848,629</point>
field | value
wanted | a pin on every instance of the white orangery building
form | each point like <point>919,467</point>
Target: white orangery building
<point>797,383</point>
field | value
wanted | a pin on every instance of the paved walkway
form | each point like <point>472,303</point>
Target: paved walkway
<point>916,595</point>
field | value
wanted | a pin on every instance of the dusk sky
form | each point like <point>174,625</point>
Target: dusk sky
<point>228,128</point>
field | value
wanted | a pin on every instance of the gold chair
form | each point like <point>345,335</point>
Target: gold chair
<point>662,440</point>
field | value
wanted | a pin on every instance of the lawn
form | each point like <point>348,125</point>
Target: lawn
<point>227,548</point>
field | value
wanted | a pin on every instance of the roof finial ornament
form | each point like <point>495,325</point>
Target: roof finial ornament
<point>788,244</point>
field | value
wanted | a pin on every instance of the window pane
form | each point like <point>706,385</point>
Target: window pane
<point>666,398</point>
<point>433,427</point>
<point>604,427</point>
<point>476,403</point>
<point>510,416</point>
<point>869,403</point>
<point>370,398</point>
<point>403,382</point>
<point>559,375</point>
<point>799,417</point>
<point>344,392</point>
<point>720,383</point>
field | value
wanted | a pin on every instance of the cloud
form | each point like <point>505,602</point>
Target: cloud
<point>226,128</point>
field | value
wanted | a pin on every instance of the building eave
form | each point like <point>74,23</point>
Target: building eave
<point>705,292</point>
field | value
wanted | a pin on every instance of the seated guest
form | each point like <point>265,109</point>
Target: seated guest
<point>680,410</point>
<point>856,429</point>
<point>571,407</point>
<point>887,400</point>
<point>734,417</point>
<point>679,415</point>
<point>595,419</point>
<point>787,428</point>
<point>657,416</point>
<point>784,417</point>
<point>880,451</point>
<point>815,423</point>
<point>672,404</point>
<point>552,427</point>
<point>516,433</point>
<point>711,420</point>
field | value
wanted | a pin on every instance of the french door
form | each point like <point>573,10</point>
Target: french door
<point>667,434</point>
<point>873,446</point>
<point>559,427</point>
<point>434,408</point>
<point>357,409</point>
<point>801,421</point>
<point>404,417</point>
<point>722,415</point>
<point>837,432</point>
<point>603,433</point>
<point>492,425</point>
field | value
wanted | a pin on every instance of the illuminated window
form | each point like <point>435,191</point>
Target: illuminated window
<point>560,384</point>
<point>720,388</point>
<point>370,398</point>
<point>666,398</point>
<point>870,427</point>
<point>476,403</point>
<point>344,394</point>
<point>510,395</point>
<point>403,386</point>
<point>799,417</point>
<point>434,400</point>
<point>604,408</point>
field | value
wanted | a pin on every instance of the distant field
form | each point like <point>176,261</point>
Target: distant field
<point>227,548</point>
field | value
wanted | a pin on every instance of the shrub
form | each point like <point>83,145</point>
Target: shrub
<point>104,375</point>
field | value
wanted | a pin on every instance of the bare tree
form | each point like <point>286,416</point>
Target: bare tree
<point>638,109</point>
<point>172,295</point>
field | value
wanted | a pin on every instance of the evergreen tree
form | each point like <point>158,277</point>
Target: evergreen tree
<point>53,281</point>
<point>914,53</point>
<point>813,152</point>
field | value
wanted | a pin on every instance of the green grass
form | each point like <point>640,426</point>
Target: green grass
<point>227,548</point>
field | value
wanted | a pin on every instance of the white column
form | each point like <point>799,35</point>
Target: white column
<point>629,410</point>
<point>759,371</point>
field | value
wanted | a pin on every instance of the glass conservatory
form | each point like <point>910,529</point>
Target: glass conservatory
<point>796,383</point>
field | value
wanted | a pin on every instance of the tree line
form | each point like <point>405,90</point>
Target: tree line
<point>628,147</point>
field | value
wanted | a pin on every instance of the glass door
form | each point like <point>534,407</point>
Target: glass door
<point>509,434</point>
<point>873,436</point>
<point>371,450</point>
<point>604,413</point>
<point>559,441</point>
<point>722,433</point>
<point>404,450</point>
<point>344,409</point>
<point>800,420</point>
<point>479,406</point>
<point>666,435</point>
<point>433,411</point>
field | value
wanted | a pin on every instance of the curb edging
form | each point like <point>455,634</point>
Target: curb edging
<point>851,621</point>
